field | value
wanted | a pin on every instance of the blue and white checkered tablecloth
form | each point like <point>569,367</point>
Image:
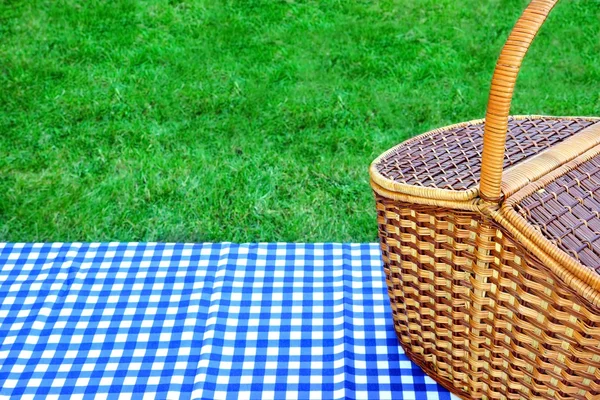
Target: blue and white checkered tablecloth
<point>201,321</point>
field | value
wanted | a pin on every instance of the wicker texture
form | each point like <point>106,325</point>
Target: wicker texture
<point>455,162</point>
<point>481,315</point>
<point>567,212</point>
<point>493,268</point>
<point>501,93</point>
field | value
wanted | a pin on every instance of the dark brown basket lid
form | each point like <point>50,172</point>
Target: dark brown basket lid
<point>452,159</point>
<point>567,212</point>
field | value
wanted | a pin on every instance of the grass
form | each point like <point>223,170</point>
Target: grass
<point>216,120</point>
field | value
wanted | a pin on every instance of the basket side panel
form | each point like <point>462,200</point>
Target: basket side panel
<point>481,315</point>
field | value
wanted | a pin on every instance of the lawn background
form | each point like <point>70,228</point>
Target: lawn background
<point>248,120</point>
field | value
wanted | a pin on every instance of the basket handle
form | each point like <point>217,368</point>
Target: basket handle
<point>501,93</point>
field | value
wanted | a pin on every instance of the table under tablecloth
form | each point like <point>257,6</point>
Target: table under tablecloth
<point>201,321</point>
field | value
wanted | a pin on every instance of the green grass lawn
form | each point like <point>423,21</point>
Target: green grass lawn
<point>215,120</point>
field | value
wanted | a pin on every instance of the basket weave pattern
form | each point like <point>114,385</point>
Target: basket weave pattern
<point>425,161</point>
<point>573,223</point>
<point>490,239</point>
<point>480,314</point>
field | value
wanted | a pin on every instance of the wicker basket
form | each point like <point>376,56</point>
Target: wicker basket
<point>494,278</point>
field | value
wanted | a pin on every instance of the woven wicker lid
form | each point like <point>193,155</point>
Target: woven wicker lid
<point>450,158</point>
<point>567,212</point>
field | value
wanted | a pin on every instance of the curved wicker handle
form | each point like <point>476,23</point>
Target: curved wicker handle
<point>501,92</point>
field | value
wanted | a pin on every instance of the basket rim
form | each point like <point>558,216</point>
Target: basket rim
<point>514,222</point>
<point>523,179</point>
<point>430,193</point>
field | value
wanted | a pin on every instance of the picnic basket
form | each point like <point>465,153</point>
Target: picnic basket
<point>490,238</point>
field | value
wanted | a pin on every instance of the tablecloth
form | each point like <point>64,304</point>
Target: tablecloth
<point>201,321</point>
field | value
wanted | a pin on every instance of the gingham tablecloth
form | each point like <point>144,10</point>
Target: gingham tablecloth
<point>201,321</point>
